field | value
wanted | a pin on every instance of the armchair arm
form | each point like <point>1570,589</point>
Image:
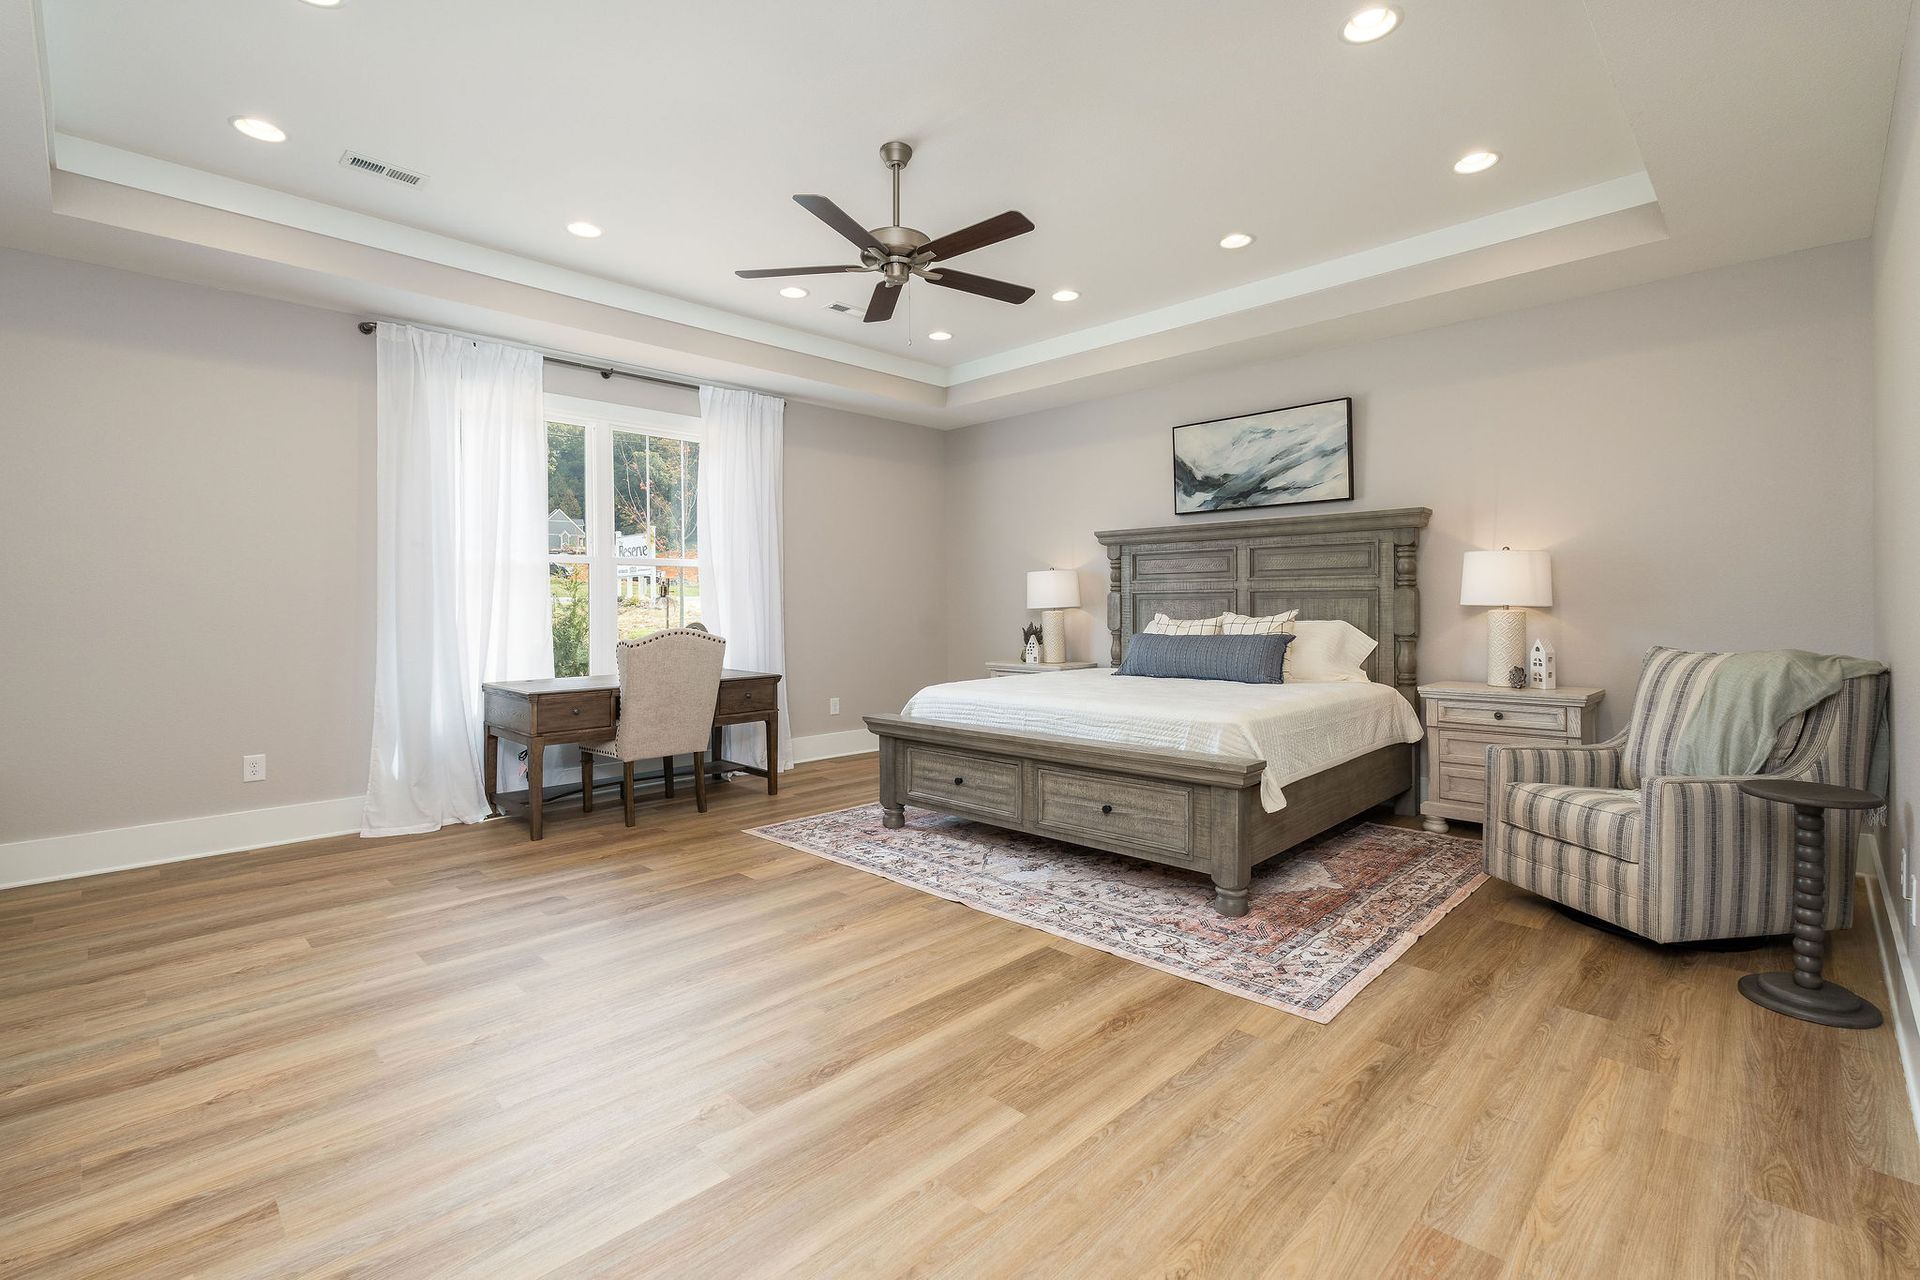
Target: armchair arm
<point>1716,862</point>
<point>1597,765</point>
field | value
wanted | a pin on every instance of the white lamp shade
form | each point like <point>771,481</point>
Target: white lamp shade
<point>1521,579</point>
<point>1053,589</point>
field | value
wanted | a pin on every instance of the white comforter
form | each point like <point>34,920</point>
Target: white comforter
<point>1298,729</point>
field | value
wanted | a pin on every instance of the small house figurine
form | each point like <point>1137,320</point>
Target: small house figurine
<point>1030,651</point>
<point>1541,673</point>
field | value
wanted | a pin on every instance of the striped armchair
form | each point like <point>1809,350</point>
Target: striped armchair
<point>1605,829</point>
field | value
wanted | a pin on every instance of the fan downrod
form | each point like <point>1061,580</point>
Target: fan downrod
<point>901,242</point>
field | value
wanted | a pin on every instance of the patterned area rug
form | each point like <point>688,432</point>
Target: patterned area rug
<point>1324,921</point>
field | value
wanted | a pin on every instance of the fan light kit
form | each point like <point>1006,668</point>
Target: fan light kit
<point>259,130</point>
<point>1370,24</point>
<point>1476,162</point>
<point>899,253</point>
<point>1238,240</point>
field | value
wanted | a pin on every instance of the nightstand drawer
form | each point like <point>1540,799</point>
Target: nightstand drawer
<point>1515,719</point>
<point>1453,746</point>
<point>1460,783</point>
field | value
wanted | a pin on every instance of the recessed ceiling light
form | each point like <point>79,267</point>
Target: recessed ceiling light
<point>793,291</point>
<point>1238,240</point>
<point>939,335</point>
<point>1370,24</point>
<point>324,4</point>
<point>259,130</point>
<point>1476,162</point>
<point>585,230</point>
<point>1065,295</point>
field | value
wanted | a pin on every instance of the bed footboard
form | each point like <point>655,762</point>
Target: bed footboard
<point>1177,808</point>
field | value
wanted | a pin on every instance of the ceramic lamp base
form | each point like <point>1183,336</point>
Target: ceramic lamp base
<point>1507,648</point>
<point>1053,635</point>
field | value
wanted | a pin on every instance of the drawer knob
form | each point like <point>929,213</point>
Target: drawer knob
<point>1106,808</point>
<point>576,711</point>
<point>1499,715</point>
<point>959,782</point>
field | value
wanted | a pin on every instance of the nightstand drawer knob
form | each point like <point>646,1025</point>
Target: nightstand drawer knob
<point>959,782</point>
<point>1106,808</point>
<point>1499,715</point>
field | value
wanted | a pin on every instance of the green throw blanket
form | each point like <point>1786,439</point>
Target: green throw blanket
<point>1750,696</point>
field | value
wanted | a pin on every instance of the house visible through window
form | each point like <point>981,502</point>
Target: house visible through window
<point>622,527</point>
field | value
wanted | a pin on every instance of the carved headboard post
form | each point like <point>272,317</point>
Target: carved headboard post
<point>1406,613</point>
<point>1360,567</point>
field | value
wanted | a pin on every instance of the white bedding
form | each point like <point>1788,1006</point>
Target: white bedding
<point>1298,729</point>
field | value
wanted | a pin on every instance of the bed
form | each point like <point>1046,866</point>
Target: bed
<point>1068,759</point>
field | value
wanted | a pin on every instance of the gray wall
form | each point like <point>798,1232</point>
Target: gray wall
<point>1695,453</point>
<point>187,499</point>
<point>1896,526</point>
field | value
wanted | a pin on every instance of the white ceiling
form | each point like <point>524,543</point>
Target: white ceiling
<point>1638,138</point>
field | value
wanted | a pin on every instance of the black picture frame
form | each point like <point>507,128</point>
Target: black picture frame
<point>1346,450</point>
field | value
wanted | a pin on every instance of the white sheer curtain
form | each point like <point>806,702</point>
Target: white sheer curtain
<point>740,470</point>
<point>461,593</point>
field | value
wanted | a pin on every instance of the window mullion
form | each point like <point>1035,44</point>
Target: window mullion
<point>601,606</point>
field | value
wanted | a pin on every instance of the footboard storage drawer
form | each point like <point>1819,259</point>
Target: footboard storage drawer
<point>954,780</point>
<point>1076,804</point>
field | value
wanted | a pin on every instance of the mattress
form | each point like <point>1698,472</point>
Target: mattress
<point>1297,729</point>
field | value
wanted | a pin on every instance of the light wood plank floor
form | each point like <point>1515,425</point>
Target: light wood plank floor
<point>684,1051</point>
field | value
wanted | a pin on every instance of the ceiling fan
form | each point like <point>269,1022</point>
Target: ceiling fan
<point>899,253</point>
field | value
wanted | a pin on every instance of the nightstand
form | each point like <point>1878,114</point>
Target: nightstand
<point>1465,717</point>
<point>1032,668</point>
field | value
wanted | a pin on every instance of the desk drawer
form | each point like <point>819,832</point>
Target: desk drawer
<point>975,784</point>
<point>1513,719</point>
<point>1074,805</point>
<point>744,697</point>
<point>573,712</point>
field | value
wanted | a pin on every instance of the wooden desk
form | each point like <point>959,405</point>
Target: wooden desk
<point>570,709</point>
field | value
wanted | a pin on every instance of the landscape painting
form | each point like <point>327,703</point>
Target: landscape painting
<point>1272,459</point>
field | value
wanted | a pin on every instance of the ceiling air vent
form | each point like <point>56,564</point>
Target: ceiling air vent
<point>378,169</point>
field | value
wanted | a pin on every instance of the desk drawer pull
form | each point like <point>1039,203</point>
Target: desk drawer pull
<point>576,711</point>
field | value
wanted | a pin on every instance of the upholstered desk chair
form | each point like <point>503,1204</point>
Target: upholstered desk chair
<point>669,683</point>
<point>1608,830</point>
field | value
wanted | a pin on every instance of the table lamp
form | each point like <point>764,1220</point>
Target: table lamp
<point>1053,591</point>
<point>1512,582</point>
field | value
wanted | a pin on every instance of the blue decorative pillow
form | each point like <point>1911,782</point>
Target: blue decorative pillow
<point>1246,659</point>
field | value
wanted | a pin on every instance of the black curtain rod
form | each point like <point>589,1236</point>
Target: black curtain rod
<point>605,371</point>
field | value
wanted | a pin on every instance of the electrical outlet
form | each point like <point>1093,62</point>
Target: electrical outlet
<point>833,706</point>
<point>253,768</point>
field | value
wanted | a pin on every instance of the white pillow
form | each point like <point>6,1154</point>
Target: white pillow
<point>1162,625</point>
<point>1325,652</point>
<point>1274,624</point>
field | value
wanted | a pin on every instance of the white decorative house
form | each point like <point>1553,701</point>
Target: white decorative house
<point>1541,673</point>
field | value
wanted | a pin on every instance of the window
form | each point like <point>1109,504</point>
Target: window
<point>622,527</point>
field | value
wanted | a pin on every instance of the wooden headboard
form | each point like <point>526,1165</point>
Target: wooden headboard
<point>1353,566</point>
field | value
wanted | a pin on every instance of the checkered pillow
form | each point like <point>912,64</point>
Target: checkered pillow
<point>1162,625</point>
<point>1274,624</point>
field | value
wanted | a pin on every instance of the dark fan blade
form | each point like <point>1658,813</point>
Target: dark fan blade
<point>998,290</point>
<point>794,271</point>
<point>836,217</point>
<point>978,236</point>
<point>885,298</point>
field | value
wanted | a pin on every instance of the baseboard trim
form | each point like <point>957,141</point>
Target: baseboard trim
<point>92,853</point>
<point>1897,966</point>
<point>831,746</point>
